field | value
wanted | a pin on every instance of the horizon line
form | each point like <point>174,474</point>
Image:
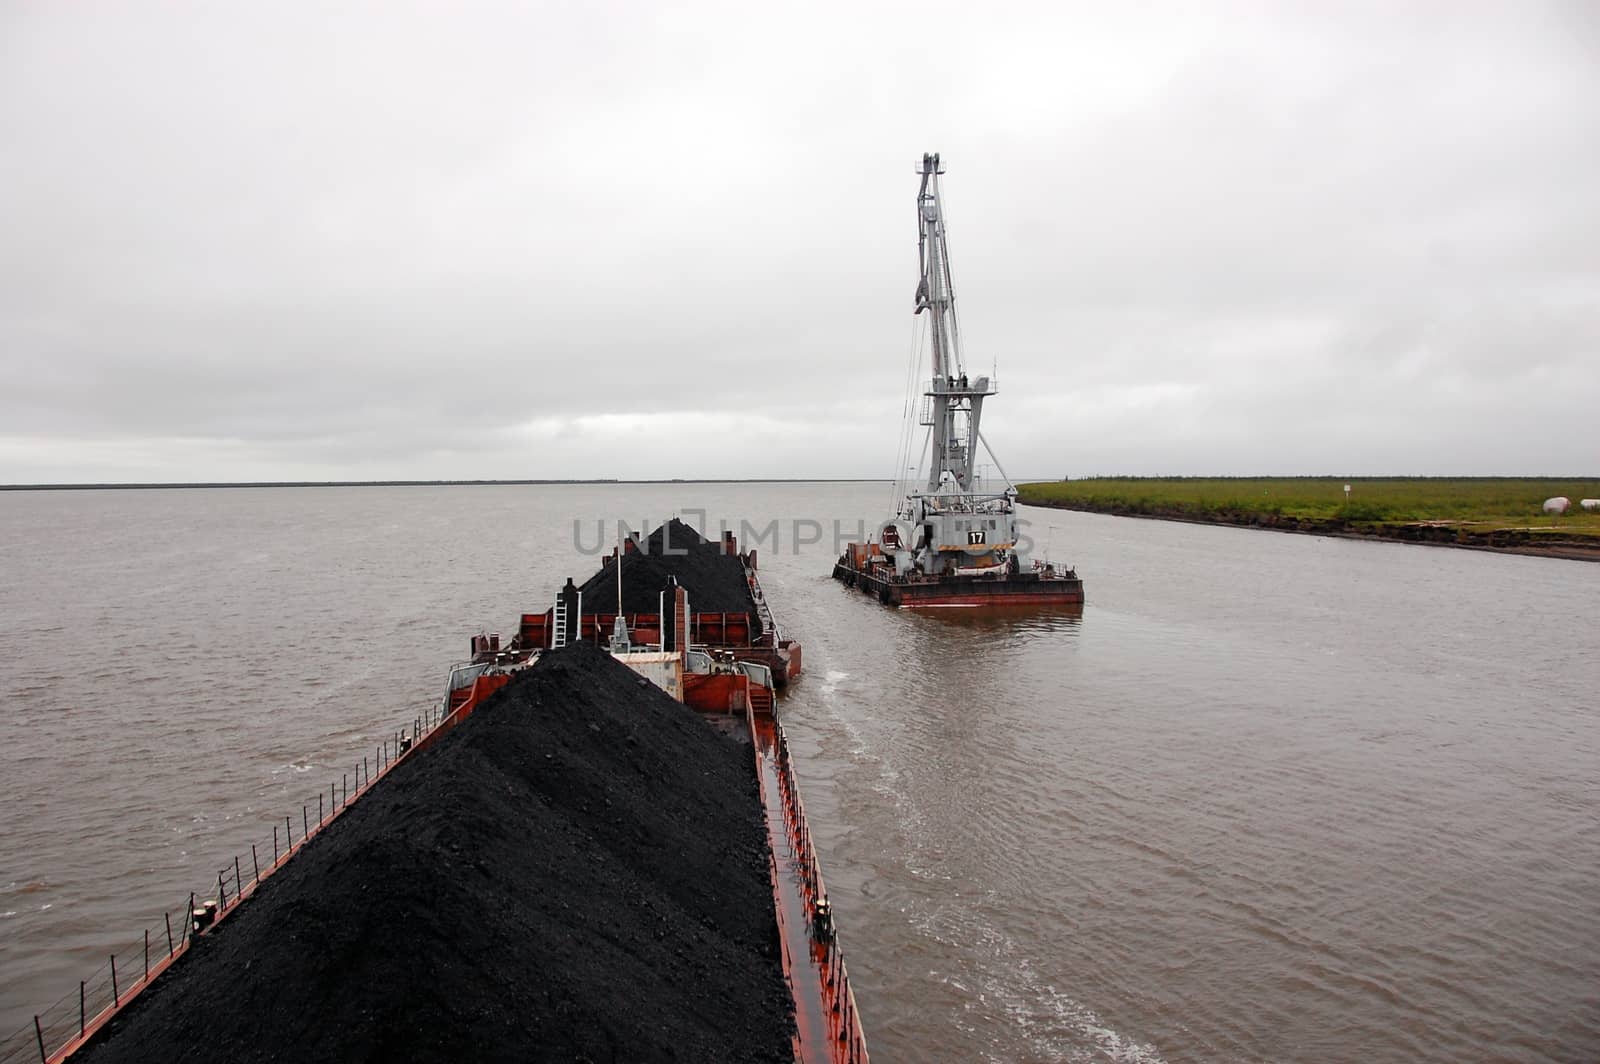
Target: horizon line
<point>490,482</point>
<point>170,485</point>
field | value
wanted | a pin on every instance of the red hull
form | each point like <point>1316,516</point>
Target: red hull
<point>964,592</point>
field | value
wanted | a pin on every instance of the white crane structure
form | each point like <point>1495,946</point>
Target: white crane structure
<point>950,526</point>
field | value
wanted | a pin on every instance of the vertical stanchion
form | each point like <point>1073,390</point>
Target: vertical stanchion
<point>319,807</point>
<point>38,1032</point>
<point>274,844</point>
<point>333,797</point>
<point>365,771</point>
<point>147,953</point>
<point>255,861</point>
<point>116,995</point>
<point>344,787</point>
<point>188,918</point>
<point>305,823</point>
<point>222,891</point>
<point>238,880</point>
<point>83,1019</point>
<point>170,949</point>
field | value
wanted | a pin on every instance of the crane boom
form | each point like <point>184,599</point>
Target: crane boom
<point>955,404</point>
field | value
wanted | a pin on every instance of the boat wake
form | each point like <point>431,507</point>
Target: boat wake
<point>986,974</point>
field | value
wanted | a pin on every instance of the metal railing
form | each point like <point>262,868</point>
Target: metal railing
<point>62,1027</point>
<point>847,1043</point>
<point>769,623</point>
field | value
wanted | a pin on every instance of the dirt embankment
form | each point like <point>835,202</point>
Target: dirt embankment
<point>1502,540</point>
<point>578,872</point>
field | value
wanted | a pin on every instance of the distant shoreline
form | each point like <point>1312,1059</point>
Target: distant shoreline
<point>423,483</point>
<point>1498,541</point>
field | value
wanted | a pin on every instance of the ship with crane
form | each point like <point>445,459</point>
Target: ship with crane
<point>953,540</point>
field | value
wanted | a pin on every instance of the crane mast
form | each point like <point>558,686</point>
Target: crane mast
<point>953,403</point>
<point>952,409</point>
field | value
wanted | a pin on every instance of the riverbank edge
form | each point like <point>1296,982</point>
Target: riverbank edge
<point>1497,541</point>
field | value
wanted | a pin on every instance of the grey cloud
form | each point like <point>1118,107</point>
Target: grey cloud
<point>369,242</point>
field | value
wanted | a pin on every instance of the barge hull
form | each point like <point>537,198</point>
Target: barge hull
<point>964,592</point>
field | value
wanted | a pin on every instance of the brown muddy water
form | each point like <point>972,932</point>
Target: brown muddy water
<point>1268,798</point>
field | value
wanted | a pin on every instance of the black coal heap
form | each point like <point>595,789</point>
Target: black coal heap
<point>715,579</point>
<point>576,872</point>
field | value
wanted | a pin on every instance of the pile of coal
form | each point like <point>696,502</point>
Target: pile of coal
<point>715,579</point>
<point>577,872</point>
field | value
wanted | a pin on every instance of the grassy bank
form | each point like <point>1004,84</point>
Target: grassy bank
<point>1469,510</point>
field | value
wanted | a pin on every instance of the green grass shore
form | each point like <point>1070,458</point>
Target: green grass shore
<point>1500,513</point>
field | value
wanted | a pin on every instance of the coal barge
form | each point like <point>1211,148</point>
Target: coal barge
<point>953,541</point>
<point>730,616</point>
<point>561,861</point>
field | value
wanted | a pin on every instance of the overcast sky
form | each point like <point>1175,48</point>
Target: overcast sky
<point>262,241</point>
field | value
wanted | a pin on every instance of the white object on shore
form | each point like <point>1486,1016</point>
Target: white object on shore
<point>1589,504</point>
<point>1557,505</point>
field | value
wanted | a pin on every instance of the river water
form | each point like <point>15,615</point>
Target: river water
<point>1266,798</point>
